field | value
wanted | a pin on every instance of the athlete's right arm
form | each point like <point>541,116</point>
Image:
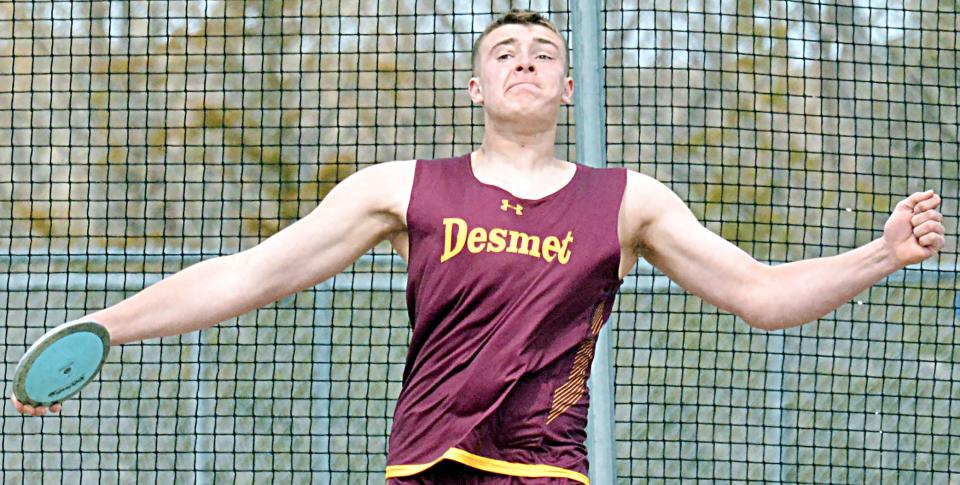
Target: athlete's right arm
<point>364,209</point>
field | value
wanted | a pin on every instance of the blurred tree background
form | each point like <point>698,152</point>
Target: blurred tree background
<point>140,137</point>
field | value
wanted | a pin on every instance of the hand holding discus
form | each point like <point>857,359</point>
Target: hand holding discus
<point>59,365</point>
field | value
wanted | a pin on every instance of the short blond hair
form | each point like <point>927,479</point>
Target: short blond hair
<point>520,17</point>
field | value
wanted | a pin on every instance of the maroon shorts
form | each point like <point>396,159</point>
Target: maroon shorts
<point>453,473</point>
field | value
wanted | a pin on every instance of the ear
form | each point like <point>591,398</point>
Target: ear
<point>476,92</point>
<point>567,96</point>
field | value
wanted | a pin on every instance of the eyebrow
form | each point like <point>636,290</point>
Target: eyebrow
<point>513,40</point>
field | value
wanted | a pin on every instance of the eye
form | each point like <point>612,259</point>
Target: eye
<point>504,56</point>
<point>545,57</point>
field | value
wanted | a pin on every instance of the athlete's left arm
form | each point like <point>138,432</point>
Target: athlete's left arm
<point>667,234</point>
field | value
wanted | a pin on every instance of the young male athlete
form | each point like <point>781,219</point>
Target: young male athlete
<point>514,260</point>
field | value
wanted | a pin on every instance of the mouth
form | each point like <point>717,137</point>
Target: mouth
<point>522,84</point>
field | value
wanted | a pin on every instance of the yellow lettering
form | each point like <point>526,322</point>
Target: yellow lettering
<point>457,235</point>
<point>551,246</point>
<point>524,243</point>
<point>449,249</point>
<point>564,256</point>
<point>497,240</point>
<point>476,240</point>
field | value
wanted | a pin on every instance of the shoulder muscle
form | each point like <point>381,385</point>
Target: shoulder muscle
<point>647,201</point>
<point>384,189</point>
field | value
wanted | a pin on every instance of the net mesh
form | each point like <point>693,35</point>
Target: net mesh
<point>791,128</point>
<point>137,138</point>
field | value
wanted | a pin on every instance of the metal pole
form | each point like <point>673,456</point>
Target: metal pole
<point>589,109</point>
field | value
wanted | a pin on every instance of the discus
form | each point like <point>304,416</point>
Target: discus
<point>61,362</point>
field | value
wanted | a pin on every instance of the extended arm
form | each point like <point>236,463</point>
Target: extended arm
<point>774,297</point>
<point>357,214</point>
<point>366,208</point>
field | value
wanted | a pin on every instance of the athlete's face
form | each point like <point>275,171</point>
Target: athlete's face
<point>521,74</point>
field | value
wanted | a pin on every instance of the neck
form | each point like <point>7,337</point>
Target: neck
<point>519,149</point>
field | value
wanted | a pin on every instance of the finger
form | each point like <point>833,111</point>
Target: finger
<point>16,403</point>
<point>927,204</point>
<point>932,241</point>
<point>27,409</point>
<point>927,228</point>
<point>930,215</point>
<point>56,407</point>
<point>914,199</point>
<point>39,411</point>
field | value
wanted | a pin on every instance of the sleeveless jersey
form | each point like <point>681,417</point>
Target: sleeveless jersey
<point>506,297</point>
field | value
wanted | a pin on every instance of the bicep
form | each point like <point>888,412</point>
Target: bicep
<point>363,210</point>
<point>705,264</point>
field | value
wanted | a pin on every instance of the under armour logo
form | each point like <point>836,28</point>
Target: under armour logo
<point>506,205</point>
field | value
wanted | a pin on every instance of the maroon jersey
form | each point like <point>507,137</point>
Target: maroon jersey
<point>506,296</point>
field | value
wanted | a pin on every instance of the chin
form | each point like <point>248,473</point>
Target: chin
<point>533,114</point>
<point>534,108</point>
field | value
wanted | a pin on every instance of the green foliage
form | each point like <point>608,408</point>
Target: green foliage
<point>790,130</point>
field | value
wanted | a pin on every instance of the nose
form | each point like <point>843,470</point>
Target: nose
<point>524,63</point>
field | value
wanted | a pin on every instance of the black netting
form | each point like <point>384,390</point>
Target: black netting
<point>792,129</point>
<point>137,138</point>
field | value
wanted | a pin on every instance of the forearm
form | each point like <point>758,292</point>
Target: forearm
<point>795,293</point>
<point>668,235</point>
<point>197,297</point>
